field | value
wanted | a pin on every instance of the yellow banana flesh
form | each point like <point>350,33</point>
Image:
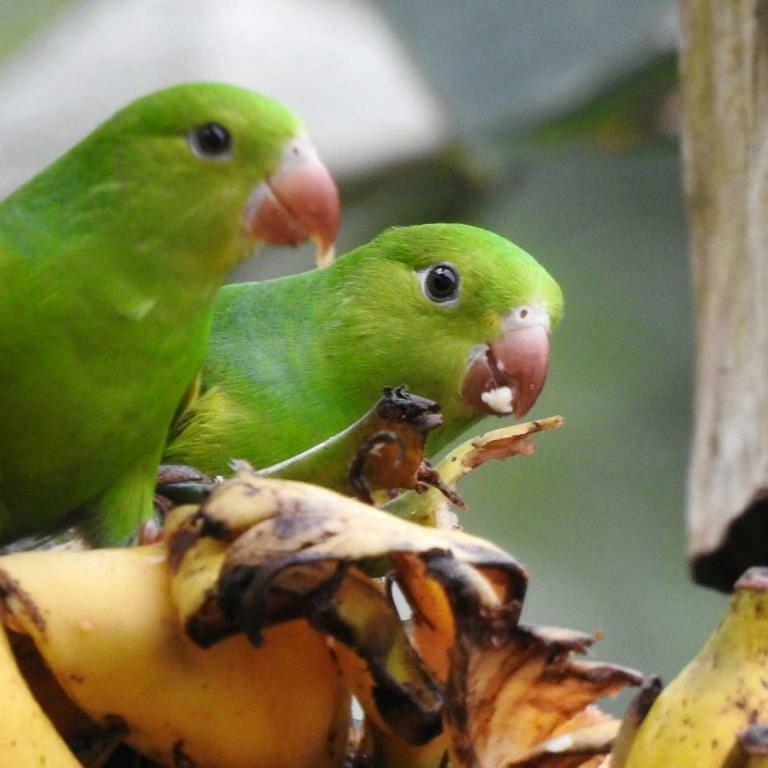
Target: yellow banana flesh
<point>106,626</point>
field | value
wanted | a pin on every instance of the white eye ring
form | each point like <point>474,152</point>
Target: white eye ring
<point>441,284</point>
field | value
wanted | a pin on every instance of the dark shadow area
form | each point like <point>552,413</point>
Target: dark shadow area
<point>745,544</point>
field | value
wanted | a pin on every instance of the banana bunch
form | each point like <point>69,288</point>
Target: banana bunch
<point>463,676</point>
<point>239,640</point>
<point>713,714</point>
<point>106,627</point>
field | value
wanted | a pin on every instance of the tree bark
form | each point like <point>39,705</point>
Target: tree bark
<point>724,72</point>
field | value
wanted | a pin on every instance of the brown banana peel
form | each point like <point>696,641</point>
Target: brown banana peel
<point>431,507</point>
<point>238,640</point>
<point>27,736</point>
<point>296,550</point>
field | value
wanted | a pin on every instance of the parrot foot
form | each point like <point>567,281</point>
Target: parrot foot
<point>171,474</point>
<point>180,484</point>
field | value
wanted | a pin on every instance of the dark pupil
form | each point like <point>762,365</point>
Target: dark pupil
<point>213,139</point>
<point>442,282</point>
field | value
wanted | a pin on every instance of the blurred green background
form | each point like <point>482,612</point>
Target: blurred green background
<point>554,124</point>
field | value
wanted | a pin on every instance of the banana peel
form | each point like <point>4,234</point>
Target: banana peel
<point>105,624</point>
<point>297,551</point>
<point>432,506</point>
<point>27,736</point>
<point>290,546</point>
<point>539,712</point>
<point>238,640</point>
<point>633,718</point>
<point>708,715</point>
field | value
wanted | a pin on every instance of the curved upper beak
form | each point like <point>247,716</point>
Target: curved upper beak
<point>297,202</point>
<point>507,374</point>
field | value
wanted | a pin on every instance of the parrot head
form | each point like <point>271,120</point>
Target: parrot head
<point>468,312</point>
<point>210,168</point>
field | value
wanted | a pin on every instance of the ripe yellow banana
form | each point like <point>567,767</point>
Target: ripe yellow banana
<point>27,737</point>
<point>104,622</point>
<point>514,696</point>
<point>284,563</point>
<point>697,719</point>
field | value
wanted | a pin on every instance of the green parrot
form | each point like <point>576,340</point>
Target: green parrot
<point>456,313</point>
<point>110,259</point>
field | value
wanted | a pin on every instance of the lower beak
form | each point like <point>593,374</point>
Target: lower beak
<point>297,202</point>
<point>508,374</point>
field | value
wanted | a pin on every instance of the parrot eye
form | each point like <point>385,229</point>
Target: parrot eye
<point>211,141</point>
<point>441,283</point>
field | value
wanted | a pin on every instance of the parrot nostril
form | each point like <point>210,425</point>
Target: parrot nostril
<point>526,315</point>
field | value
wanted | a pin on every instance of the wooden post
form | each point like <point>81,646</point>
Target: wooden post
<point>724,71</point>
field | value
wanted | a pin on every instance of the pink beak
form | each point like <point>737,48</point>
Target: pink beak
<point>508,374</point>
<point>297,202</point>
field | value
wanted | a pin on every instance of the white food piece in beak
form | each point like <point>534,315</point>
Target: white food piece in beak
<point>499,399</point>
